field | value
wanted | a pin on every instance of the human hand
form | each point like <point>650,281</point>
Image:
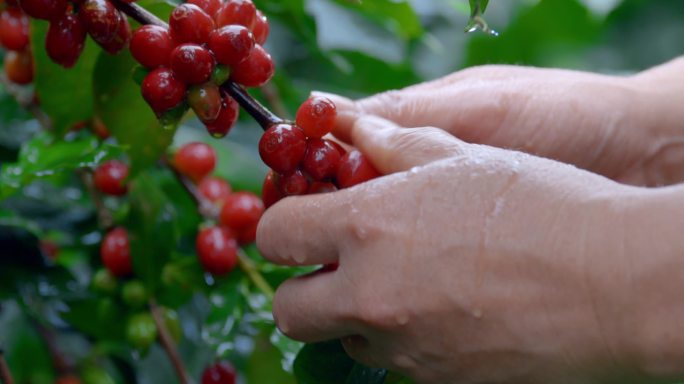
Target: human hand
<point>626,128</point>
<point>467,264</point>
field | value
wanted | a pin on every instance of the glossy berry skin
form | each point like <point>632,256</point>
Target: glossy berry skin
<point>241,12</point>
<point>231,44</point>
<point>14,29</point>
<point>256,71</point>
<point>214,189</point>
<point>65,39</point>
<point>43,9</point>
<point>270,193</point>
<point>100,18</point>
<point>211,7</point>
<point>261,28</point>
<point>219,373</point>
<point>151,46</point>
<point>192,64</point>
<point>317,117</point>
<point>190,24</point>
<point>110,178</point>
<point>355,168</point>
<point>116,254</point>
<point>241,211</point>
<point>294,184</point>
<point>18,67</point>
<point>282,148</point>
<point>162,90</point>
<point>230,111</point>
<point>321,187</point>
<point>321,159</point>
<point>121,38</point>
<point>217,250</point>
<point>195,161</point>
<point>206,101</point>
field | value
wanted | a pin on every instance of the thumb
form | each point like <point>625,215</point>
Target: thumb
<point>394,149</point>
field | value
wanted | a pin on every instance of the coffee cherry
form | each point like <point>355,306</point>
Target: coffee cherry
<point>18,67</point>
<point>162,90</point>
<point>121,37</point>
<point>65,39</point>
<point>151,46</point>
<point>317,117</point>
<point>230,111</point>
<point>190,24</point>
<point>99,128</point>
<point>217,250</point>
<point>339,147</point>
<point>110,178</point>
<point>241,211</point>
<point>294,184</point>
<point>355,168</point>
<point>14,29</point>
<point>100,18</point>
<point>282,148</point>
<point>211,7</point>
<point>320,187</point>
<point>116,254</point>
<point>261,28</point>
<point>242,12</point>
<point>256,71</point>
<point>219,373</point>
<point>141,331</point>
<point>195,160</point>
<point>192,64</point>
<point>104,282</point>
<point>321,159</point>
<point>134,294</point>
<point>68,379</point>
<point>231,44</point>
<point>270,193</point>
<point>248,236</point>
<point>206,101</point>
<point>215,189</point>
<point>43,9</point>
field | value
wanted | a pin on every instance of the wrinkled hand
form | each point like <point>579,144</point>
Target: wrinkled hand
<point>626,128</point>
<point>467,264</point>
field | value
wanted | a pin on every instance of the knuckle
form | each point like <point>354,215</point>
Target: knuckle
<point>374,312</point>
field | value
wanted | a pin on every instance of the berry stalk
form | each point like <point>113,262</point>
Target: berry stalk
<point>5,374</point>
<point>168,344</point>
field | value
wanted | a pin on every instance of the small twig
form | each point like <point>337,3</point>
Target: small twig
<point>253,273</point>
<point>104,216</point>
<point>205,207</point>
<point>272,95</point>
<point>5,374</point>
<point>168,344</point>
<point>138,13</point>
<point>60,363</point>
<point>26,99</point>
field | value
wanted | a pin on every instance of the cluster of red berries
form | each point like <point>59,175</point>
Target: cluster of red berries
<point>207,42</point>
<point>14,37</point>
<point>221,372</point>
<point>303,162</point>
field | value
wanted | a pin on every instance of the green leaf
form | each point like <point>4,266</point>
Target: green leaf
<point>478,7</point>
<point>398,15</point>
<point>323,363</point>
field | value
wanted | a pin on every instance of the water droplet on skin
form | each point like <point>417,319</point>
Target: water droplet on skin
<point>402,319</point>
<point>299,258</point>
<point>361,233</point>
<point>478,313</point>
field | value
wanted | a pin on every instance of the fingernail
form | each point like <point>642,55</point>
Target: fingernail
<point>342,103</point>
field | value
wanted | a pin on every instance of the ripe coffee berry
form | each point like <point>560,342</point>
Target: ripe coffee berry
<point>217,250</point>
<point>151,46</point>
<point>115,253</point>
<point>231,44</point>
<point>206,101</point>
<point>317,117</point>
<point>241,211</point>
<point>65,39</point>
<point>355,168</point>
<point>110,178</point>
<point>242,12</point>
<point>219,373</point>
<point>230,110</point>
<point>43,9</point>
<point>270,193</point>
<point>120,39</point>
<point>100,18</point>
<point>18,67</point>
<point>319,187</point>
<point>294,184</point>
<point>208,6</point>
<point>282,148</point>
<point>192,64</point>
<point>256,71</point>
<point>190,24</point>
<point>261,28</point>
<point>195,160</point>
<point>321,159</point>
<point>215,189</point>
<point>14,29</point>
<point>162,90</point>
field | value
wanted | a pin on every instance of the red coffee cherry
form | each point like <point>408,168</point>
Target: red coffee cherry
<point>355,168</point>
<point>241,211</point>
<point>256,71</point>
<point>100,18</point>
<point>339,147</point>
<point>162,90</point>
<point>242,12</point>
<point>270,193</point>
<point>121,38</point>
<point>190,24</point>
<point>261,28</point>
<point>43,9</point>
<point>18,67</point>
<point>320,187</point>
<point>219,373</point>
<point>14,29</point>
<point>217,250</point>
<point>206,101</point>
<point>110,178</point>
<point>116,254</point>
<point>195,160</point>
<point>65,39</point>
<point>247,236</point>
<point>231,44</point>
<point>211,7</point>
<point>282,148</point>
<point>294,184</point>
<point>321,159</point>
<point>192,64</point>
<point>230,111</point>
<point>317,116</point>
<point>214,189</point>
<point>151,46</point>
